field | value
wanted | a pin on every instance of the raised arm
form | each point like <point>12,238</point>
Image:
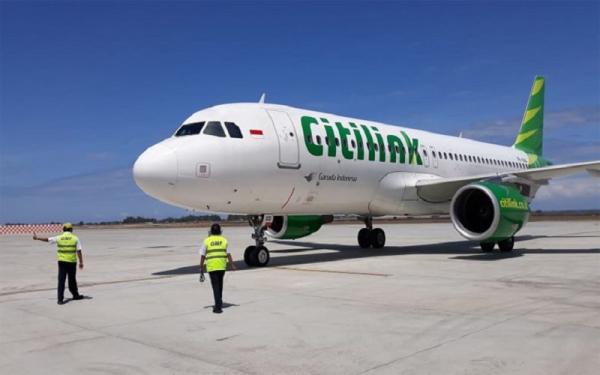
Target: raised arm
<point>35,237</point>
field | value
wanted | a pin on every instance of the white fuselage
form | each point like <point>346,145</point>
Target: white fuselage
<point>276,173</point>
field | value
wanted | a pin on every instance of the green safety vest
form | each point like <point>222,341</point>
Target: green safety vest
<point>67,247</point>
<point>216,253</point>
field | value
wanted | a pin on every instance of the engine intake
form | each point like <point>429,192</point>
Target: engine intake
<point>488,212</point>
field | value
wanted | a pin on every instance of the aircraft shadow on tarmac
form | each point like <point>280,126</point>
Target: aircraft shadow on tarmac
<point>301,253</point>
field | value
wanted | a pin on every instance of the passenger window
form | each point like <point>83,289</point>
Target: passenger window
<point>353,143</point>
<point>433,153</point>
<point>337,142</point>
<point>318,139</point>
<point>376,147</point>
<point>214,128</point>
<point>233,130</point>
<point>451,157</point>
<point>309,140</point>
<point>190,129</point>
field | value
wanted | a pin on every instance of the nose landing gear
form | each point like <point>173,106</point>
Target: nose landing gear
<point>258,255</point>
<point>371,237</point>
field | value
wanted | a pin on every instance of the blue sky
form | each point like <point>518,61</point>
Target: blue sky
<point>86,86</point>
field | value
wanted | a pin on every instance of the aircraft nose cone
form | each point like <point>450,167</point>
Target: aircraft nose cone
<point>155,171</point>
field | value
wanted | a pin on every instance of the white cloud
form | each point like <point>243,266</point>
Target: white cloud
<point>101,196</point>
<point>579,192</point>
<point>508,128</point>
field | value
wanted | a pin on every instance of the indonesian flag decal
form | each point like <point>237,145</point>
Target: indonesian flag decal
<point>256,133</point>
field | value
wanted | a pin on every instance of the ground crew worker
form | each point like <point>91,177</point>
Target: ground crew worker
<point>215,254</point>
<point>69,250</point>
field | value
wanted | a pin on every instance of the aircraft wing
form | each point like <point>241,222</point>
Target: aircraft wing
<point>443,189</point>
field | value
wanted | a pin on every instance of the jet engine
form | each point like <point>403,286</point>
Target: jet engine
<point>292,227</point>
<point>488,212</point>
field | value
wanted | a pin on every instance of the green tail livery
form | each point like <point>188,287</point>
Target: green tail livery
<point>531,135</point>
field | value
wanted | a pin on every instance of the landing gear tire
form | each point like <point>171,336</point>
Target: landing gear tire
<point>262,256</point>
<point>249,256</point>
<point>256,256</point>
<point>377,238</point>
<point>486,247</point>
<point>507,244</point>
<point>364,238</point>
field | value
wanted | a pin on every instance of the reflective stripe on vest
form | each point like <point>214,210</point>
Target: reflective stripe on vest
<point>216,253</point>
<point>67,247</point>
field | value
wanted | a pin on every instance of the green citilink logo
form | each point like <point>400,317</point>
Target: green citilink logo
<point>360,141</point>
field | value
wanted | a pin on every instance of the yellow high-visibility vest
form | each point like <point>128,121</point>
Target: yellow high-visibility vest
<point>216,253</point>
<point>67,247</point>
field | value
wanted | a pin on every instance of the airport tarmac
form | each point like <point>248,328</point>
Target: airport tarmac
<point>429,303</point>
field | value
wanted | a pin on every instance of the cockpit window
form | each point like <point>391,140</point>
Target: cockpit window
<point>214,128</point>
<point>190,129</point>
<point>234,130</point>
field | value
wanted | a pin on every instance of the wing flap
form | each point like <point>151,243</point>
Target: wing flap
<point>443,189</point>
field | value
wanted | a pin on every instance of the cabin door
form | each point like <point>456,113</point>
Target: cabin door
<point>288,140</point>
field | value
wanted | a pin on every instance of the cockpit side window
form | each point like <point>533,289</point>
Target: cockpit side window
<point>214,128</point>
<point>234,130</point>
<point>190,129</point>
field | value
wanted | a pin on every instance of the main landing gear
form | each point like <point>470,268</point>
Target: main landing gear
<point>505,245</point>
<point>257,256</point>
<point>369,237</point>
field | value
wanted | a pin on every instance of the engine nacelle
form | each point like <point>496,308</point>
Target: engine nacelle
<point>292,227</point>
<point>488,212</point>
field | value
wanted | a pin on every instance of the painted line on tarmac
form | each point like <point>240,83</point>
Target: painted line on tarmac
<point>332,271</point>
<point>86,285</point>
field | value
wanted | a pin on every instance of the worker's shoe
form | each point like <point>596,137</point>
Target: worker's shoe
<point>78,297</point>
<point>217,310</point>
<point>60,302</point>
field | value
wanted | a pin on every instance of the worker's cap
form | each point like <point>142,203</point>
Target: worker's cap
<point>67,226</point>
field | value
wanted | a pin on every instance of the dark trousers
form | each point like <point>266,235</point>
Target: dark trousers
<point>67,269</point>
<point>216,280</point>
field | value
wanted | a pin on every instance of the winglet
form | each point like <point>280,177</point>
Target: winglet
<point>531,134</point>
<point>262,98</point>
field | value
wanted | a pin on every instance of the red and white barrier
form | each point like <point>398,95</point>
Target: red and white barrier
<point>30,228</point>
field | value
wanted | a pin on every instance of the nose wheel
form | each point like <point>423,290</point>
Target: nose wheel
<point>257,255</point>
<point>371,237</point>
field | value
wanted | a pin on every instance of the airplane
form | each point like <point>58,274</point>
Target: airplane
<point>290,170</point>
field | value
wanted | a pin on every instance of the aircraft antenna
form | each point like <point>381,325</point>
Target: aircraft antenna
<point>262,98</point>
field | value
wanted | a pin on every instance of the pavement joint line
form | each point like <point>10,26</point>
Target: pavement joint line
<point>90,284</point>
<point>55,345</point>
<point>370,303</point>
<point>331,271</point>
<point>152,319</point>
<point>438,345</point>
<point>135,341</point>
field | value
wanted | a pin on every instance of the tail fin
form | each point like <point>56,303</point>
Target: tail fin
<point>530,137</point>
